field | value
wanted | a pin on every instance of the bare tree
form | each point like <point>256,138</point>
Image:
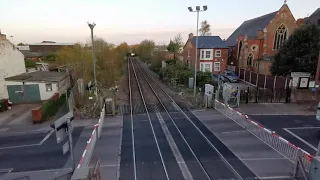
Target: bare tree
<point>205,29</point>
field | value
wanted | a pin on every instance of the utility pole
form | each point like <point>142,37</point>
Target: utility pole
<point>91,26</point>
<point>317,72</point>
<point>198,10</point>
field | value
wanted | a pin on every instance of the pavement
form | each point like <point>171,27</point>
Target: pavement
<point>18,114</point>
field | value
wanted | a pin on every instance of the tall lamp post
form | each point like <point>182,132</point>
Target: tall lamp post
<point>91,26</point>
<point>198,10</point>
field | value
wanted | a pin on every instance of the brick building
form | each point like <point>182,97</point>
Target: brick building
<point>47,47</point>
<point>212,53</point>
<point>254,44</point>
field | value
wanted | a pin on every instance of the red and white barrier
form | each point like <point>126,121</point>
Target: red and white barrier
<point>269,137</point>
<point>86,155</point>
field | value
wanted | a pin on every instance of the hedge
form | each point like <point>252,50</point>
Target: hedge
<point>51,107</point>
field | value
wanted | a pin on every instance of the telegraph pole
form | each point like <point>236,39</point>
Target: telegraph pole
<point>91,26</point>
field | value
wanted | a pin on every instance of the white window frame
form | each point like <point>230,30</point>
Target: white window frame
<point>217,68</point>
<point>203,66</point>
<point>217,53</point>
<point>189,53</point>
<point>203,53</point>
<point>48,87</point>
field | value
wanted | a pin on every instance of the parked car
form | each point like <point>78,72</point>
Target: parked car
<point>219,77</point>
<point>231,76</point>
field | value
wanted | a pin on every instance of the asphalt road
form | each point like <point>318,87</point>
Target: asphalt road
<point>37,156</point>
<point>300,130</point>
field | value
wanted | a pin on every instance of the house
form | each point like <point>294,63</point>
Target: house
<point>36,86</point>
<point>254,44</point>
<point>11,63</point>
<point>314,18</point>
<point>212,53</point>
<point>47,47</point>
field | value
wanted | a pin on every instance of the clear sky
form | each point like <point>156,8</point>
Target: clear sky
<point>32,21</point>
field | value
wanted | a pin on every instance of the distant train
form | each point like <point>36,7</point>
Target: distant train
<point>131,54</point>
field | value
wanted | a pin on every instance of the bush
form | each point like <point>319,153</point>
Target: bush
<point>30,63</point>
<point>203,78</point>
<point>51,107</point>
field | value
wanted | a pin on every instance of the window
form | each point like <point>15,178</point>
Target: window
<point>217,66</point>
<point>279,37</point>
<point>188,53</point>
<point>249,59</point>
<point>218,53</point>
<point>206,54</point>
<point>48,87</point>
<point>205,67</point>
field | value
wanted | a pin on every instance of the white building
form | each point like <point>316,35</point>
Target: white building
<point>36,86</point>
<point>11,63</point>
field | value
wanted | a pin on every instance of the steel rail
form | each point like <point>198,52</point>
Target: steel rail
<point>152,128</point>
<point>176,126</point>
<point>204,136</point>
<point>131,116</point>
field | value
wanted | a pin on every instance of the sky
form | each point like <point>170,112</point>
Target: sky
<point>65,21</point>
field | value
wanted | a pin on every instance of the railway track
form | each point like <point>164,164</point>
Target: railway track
<point>152,157</point>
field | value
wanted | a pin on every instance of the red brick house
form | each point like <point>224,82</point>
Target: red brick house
<point>212,53</point>
<point>254,44</point>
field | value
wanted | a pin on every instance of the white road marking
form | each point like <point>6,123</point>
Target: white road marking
<point>46,137</point>
<point>6,170</point>
<point>231,132</point>
<point>12,147</point>
<point>275,177</point>
<point>261,159</point>
<point>302,140</point>
<point>181,163</point>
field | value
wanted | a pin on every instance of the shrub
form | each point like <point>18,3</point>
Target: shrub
<point>30,64</point>
<point>51,107</point>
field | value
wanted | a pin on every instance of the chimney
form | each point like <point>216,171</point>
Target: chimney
<point>300,22</point>
<point>190,35</point>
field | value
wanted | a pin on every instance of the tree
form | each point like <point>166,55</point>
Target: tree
<point>299,53</point>
<point>205,29</point>
<point>145,50</point>
<point>78,59</point>
<point>21,44</point>
<point>123,49</point>
<point>175,45</point>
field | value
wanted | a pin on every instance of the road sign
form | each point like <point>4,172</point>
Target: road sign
<point>65,148</point>
<point>60,126</point>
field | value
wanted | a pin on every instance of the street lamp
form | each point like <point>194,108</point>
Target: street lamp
<point>91,26</point>
<point>198,10</point>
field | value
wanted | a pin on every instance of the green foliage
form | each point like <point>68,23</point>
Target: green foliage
<point>49,57</point>
<point>175,45</point>
<point>156,61</point>
<point>203,78</point>
<point>205,29</point>
<point>145,50</point>
<point>51,107</point>
<point>299,53</point>
<point>30,63</point>
<point>176,70</point>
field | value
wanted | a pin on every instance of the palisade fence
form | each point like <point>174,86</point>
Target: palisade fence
<point>268,88</point>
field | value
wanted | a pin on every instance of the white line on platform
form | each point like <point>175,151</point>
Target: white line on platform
<point>311,127</point>
<point>46,137</point>
<point>302,140</point>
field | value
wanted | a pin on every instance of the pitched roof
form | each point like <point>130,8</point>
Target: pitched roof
<point>209,42</point>
<point>314,17</point>
<point>250,27</point>
<point>39,76</point>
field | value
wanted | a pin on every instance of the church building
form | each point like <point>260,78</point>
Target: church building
<point>253,45</point>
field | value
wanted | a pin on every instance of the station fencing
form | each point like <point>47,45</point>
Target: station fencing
<point>275,141</point>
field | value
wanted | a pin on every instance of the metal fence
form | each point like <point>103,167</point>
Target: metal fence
<point>269,137</point>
